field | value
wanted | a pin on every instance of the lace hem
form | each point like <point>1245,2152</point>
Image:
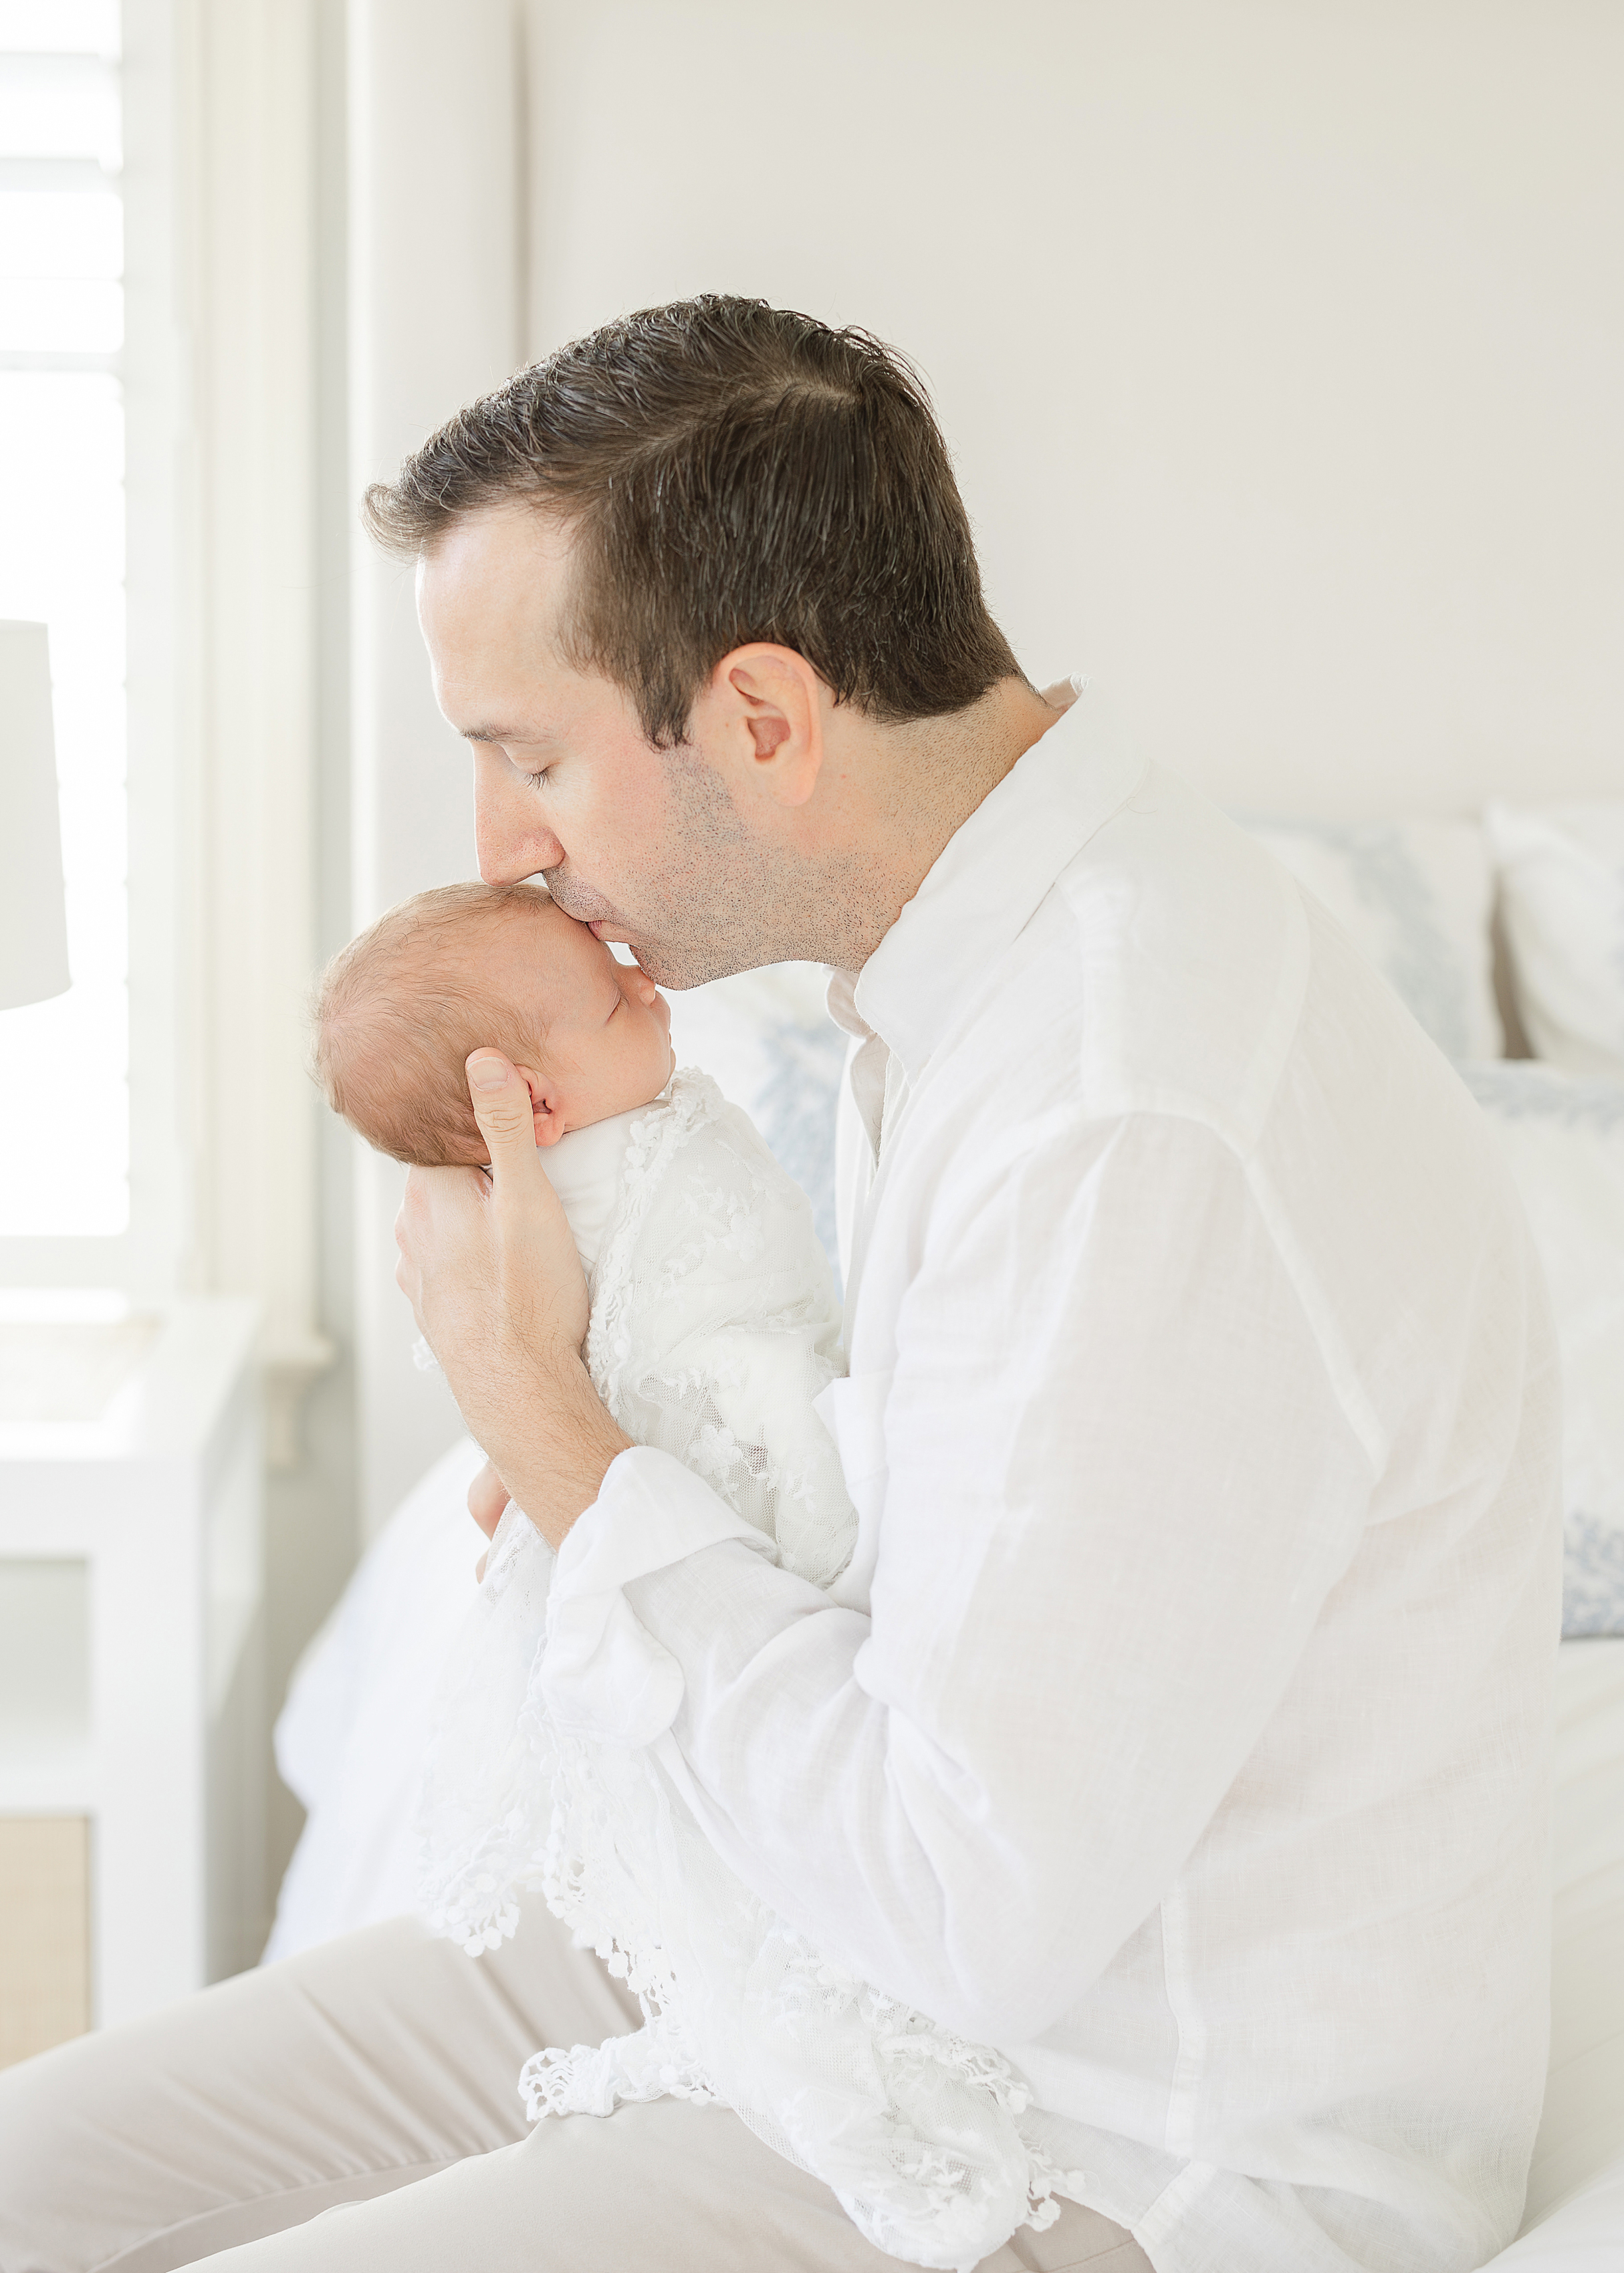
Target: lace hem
<point>916,2132</point>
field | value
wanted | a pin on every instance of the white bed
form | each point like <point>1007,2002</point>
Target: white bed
<point>1424,898</point>
<point>1574,2217</point>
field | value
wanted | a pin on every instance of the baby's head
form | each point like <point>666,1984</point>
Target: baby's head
<point>466,968</point>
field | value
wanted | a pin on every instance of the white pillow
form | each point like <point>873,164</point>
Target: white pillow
<point>1564,1140</point>
<point>767,1039</point>
<point>1415,897</point>
<point>360,1711</point>
<point>1562,880</point>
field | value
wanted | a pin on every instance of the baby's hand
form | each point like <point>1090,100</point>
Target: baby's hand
<point>487,1496</point>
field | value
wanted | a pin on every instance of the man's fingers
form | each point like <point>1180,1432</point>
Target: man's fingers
<point>502,1102</point>
<point>433,1198</point>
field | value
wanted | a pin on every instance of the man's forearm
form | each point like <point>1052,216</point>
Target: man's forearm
<point>550,1439</point>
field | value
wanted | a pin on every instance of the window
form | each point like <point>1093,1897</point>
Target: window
<point>61,562</point>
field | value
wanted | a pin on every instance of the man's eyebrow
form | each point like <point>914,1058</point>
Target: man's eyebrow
<point>496,734</point>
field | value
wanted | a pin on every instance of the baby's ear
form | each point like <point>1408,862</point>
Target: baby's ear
<point>549,1118</point>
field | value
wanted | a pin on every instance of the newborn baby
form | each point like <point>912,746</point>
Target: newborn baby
<point>463,967</point>
<point>714,1326</point>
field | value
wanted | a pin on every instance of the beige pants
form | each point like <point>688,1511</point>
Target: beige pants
<point>354,2111</point>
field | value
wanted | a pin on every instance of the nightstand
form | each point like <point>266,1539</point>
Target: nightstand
<point>133,1709</point>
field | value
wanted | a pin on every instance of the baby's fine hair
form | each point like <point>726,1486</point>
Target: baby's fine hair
<point>396,1013</point>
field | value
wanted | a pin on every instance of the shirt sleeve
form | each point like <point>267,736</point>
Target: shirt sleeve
<point>1118,1485</point>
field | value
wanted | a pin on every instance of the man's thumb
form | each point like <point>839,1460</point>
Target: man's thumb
<point>502,1102</point>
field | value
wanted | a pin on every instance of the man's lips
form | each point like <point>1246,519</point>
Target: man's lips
<point>604,921</point>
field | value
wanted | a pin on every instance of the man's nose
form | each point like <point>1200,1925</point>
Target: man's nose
<point>533,856</point>
<point>510,845</point>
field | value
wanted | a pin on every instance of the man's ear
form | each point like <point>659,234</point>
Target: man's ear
<point>546,1108</point>
<point>767,709</point>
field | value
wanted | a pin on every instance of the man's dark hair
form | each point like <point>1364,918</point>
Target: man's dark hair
<point>730,472</point>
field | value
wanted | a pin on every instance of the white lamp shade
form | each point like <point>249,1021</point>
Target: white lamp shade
<point>33,929</point>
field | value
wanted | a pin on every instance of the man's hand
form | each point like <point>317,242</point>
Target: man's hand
<point>492,1273</point>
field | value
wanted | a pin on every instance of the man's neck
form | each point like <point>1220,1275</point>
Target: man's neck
<point>923,782</point>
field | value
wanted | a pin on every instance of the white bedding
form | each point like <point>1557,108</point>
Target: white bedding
<point>350,1739</point>
<point>1574,2219</point>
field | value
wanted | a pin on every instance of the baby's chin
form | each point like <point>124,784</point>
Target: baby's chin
<point>587,1114</point>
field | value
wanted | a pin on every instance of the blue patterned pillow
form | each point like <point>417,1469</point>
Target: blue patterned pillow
<point>1564,1139</point>
<point>1415,896</point>
<point>766,1036</point>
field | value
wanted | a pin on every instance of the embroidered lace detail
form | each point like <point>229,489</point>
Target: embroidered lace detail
<point>482,1810</point>
<point>656,1140</point>
<point>714,1324</point>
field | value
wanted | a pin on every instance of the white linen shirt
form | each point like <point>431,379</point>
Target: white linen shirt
<point>1182,1724</point>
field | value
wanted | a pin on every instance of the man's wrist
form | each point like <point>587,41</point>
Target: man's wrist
<point>555,1451</point>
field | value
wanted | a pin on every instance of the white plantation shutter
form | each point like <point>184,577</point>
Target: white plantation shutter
<point>159,472</point>
<point>62,562</point>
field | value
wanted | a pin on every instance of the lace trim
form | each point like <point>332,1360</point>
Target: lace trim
<point>930,2162</point>
<point>482,1845</point>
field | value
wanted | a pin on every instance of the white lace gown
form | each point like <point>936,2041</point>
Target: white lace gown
<point>714,1326</point>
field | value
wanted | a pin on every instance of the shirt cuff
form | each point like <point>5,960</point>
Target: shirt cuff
<point>603,1674</point>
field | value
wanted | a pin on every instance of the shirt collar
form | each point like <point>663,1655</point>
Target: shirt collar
<point>987,880</point>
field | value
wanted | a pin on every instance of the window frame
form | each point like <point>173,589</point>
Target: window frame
<point>147,1260</point>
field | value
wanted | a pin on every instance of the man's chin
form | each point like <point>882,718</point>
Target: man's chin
<point>664,968</point>
<point>679,969</point>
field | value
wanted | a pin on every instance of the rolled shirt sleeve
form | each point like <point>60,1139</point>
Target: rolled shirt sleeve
<point>1118,1484</point>
<point>603,1673</point>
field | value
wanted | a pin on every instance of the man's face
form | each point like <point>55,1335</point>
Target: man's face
<point>641,844</point>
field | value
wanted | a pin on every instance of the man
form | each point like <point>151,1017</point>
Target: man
<point>1181,1724</point>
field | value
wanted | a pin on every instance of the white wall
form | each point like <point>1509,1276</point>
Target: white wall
<point>434,222</point>
<point>1282,346</point>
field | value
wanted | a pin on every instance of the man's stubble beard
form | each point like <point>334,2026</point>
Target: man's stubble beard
<point>668,945</point>
<point>727,903</point>
<point>724,903</point>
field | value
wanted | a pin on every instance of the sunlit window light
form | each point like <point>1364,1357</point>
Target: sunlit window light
<point>62,562</point>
